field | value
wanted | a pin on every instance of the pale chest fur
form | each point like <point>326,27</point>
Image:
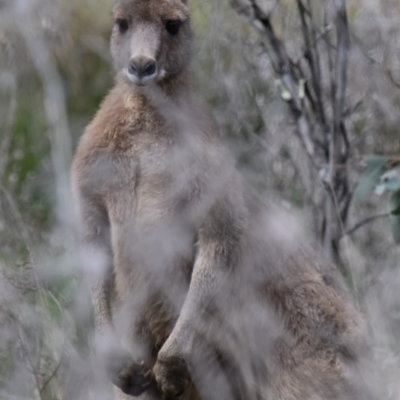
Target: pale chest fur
<point>153,165</point>
<point>157,175</point>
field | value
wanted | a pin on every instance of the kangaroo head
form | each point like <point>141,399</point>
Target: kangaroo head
<point>151,39</point>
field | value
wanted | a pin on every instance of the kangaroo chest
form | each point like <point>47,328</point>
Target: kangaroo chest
<point>157,177</point>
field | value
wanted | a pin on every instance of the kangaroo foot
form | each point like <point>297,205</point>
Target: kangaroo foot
<point>131,377</point>
<point>171,374</point>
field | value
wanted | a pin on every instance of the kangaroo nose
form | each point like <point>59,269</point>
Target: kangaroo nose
<point>142,67</point>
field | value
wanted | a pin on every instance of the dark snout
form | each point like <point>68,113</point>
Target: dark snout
<point>142,67</point>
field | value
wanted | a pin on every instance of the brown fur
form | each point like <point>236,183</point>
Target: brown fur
<point>189,251</point>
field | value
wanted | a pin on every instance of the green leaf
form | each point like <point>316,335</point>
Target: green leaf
<point>394,204</point>
<point>391,179</point>
<point>373,171</point>
<point>380,189</point>
<point>395,222</point>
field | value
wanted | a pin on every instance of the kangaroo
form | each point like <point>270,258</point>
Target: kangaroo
<point>199,290</point>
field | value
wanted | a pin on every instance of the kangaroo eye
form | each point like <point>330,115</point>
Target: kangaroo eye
<point>172,27</point>
<point>122,25</point>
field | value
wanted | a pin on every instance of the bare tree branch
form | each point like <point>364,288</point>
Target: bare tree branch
<point>324,137</point>
<point>311,56</point>
<point>283,65</point>
<point>356,227</point>
<point>343,43</point>
<point>53,374</point>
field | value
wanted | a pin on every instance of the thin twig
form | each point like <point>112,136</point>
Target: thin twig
<point>387,73</point>
<point>21,283</point>
<point>315,41</point>
<point>343,43</point>
<point>19,220</point>
<point>311,55</point>
<point>44,385</point>
<point>28,358</point>
<point>350,231</point>
<point>315,36</point>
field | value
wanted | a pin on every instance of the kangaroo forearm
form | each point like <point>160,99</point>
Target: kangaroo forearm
<point>220,242</point>
<point>207,281</point>
<point>100,294</point>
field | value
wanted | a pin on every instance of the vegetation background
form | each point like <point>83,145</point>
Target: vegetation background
<point>55,68</point>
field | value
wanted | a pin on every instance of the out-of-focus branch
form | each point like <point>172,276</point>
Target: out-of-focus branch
<point>52,375</point>
<point>11,113</point>
<point>337,209</point>
<point>21,283</point>
<point>311,55</point>
<point>356,227</point>
<point>27,354</point>
<point>19,220</point>
<point>55,109</point>
<point>343,43</point>
<point>316,40</point>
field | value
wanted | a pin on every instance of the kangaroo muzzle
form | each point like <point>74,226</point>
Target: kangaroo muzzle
<point>142,67</point>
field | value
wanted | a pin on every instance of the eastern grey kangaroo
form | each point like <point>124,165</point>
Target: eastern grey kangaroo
<point>199,290</point>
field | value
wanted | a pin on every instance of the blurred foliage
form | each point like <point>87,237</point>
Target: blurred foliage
<point>382,173</point>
